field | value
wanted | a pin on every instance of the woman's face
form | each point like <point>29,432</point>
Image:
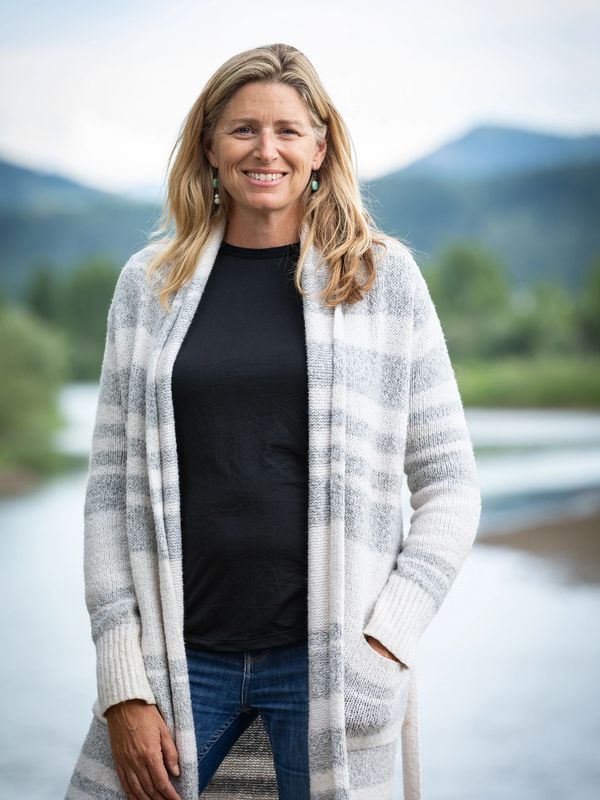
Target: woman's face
<point>265,128</point>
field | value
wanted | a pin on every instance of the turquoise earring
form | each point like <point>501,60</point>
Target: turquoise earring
<point>314,183</point>
<point>216,184</point>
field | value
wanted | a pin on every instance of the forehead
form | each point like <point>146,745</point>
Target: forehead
<point>267,102</point>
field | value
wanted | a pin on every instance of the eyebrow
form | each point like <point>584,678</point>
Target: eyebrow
<point>277,122</point>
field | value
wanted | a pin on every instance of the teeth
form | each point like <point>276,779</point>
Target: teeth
<point>262,176</point>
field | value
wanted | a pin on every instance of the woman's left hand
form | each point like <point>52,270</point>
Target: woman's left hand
<point>382,650</point>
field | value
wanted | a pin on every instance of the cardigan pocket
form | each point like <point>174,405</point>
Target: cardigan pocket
<point>375,694</point>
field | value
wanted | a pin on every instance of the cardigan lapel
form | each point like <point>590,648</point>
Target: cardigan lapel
<point>160,422</point>
<point>161,441</point>
<point>326,366</point>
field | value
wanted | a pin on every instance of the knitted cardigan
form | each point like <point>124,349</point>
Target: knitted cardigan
<point>382,401</point>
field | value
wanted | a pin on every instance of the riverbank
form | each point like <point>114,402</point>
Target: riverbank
<point>16,480</point>
<point>570,544</point>
<point>569,381</point>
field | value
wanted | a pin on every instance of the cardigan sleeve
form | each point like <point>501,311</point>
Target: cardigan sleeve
<point>441,473</point>
<point>109,588</point>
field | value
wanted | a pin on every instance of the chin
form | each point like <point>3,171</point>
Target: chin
<point>273,204</point>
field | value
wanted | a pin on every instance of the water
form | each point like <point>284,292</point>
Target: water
<point>508,697</point>
<point>506,670</point>
<point>534,465</point>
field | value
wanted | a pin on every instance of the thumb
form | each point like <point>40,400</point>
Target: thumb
<point>170,754</point>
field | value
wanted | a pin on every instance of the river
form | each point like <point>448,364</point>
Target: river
<point>508,668</point>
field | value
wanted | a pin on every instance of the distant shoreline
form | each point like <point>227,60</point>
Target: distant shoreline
<point>571,543</point>
<point>17,481</point>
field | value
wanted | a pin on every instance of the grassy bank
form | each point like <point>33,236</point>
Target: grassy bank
<point>543,382</point>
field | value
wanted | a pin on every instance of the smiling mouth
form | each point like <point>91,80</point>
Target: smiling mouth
<point>265,179</point>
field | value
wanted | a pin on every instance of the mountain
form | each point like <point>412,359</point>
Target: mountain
<point>31,191</point>
<point>46,218</point>
<point>532,199</point>
<point>487,151</point>
<point>541,223</point>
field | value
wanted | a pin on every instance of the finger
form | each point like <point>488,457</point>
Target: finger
<point>135,783</point>
<point>170,754</point>
<point>146,778</point>
<point>124,782</point>
<point>160,778</point>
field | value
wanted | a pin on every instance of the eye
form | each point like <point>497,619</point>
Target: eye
<point>247,128</point>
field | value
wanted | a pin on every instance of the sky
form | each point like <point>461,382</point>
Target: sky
<point>97,92</point>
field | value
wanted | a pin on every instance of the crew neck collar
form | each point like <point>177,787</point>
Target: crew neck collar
<point>260,252</point>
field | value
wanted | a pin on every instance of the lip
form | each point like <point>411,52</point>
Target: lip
<point>255,182</point>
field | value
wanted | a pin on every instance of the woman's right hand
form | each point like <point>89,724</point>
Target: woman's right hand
<point>142,744</point>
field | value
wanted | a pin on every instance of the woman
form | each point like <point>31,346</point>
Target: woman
<point>254,604</point>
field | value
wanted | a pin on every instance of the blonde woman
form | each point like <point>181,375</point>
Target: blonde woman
<point>274,367</point>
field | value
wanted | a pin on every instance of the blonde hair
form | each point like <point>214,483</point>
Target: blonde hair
<point>336,220</point>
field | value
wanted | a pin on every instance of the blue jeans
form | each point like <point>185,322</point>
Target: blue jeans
<point>229,690</point>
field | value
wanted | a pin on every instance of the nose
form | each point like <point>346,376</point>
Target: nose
<point>266,148</point>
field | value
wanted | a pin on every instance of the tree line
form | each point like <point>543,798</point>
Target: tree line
<point>55,335</point>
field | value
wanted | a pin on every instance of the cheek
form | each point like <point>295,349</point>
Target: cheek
<point>233,155</point>
<point>300,168</point>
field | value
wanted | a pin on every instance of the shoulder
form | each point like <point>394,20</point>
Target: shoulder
<point>407,287</point>
<point>135,269</point>
<point>132,284</point>
<point>398,274</point>
<point>396,259</point>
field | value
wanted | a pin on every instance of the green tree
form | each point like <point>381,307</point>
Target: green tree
<point>42,294</point>
<point>33,366</point>
<point>588,308</point>
<point>471,293</point>
<point>84,304</point>
<point>544,321</point>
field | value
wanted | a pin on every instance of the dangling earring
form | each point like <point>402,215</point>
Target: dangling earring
<point>216,184</point>
<point>315,182</point>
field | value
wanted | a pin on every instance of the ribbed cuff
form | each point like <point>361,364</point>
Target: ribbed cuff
<point>120,670</point>
<point>401,614</point>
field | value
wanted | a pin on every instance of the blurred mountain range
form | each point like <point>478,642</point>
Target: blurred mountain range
<point>531,198</point>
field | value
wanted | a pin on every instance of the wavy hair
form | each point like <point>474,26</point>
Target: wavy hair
<point>336,221</point>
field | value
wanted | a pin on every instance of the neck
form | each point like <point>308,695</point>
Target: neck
<point>262,227</point>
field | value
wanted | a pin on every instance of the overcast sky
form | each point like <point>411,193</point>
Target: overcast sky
<point>98,91</point>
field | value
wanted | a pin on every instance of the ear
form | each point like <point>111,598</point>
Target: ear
<point>209,152</point>
<point>320,154</point>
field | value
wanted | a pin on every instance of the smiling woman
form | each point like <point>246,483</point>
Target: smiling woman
<point>275,155</point>
<point>255,603</point>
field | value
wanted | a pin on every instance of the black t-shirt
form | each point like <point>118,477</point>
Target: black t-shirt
<point>240,396</point>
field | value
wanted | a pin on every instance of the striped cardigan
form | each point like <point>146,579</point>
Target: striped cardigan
<point>382,401</point>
